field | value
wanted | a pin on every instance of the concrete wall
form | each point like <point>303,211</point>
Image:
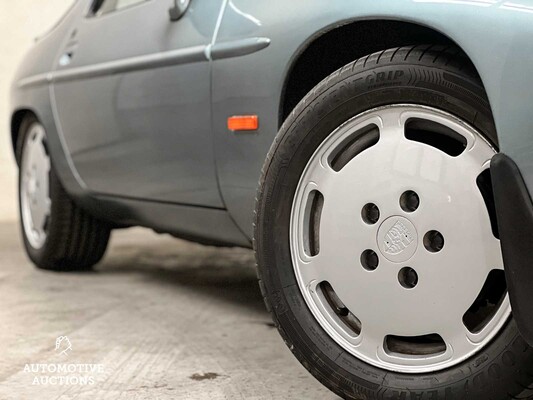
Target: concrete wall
<point>20,22</point>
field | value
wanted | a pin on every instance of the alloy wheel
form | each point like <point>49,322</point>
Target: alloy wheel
<point>35,187</point>
<point>394,240</point>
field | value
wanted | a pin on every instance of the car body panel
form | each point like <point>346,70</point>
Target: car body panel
<point>243,80</point>
<point>144,132</point>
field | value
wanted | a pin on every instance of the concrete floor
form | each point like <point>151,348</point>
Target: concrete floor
<point>166,318</point>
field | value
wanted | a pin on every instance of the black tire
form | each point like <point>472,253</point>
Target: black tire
<point>441,77</point>
<point>75,240</point>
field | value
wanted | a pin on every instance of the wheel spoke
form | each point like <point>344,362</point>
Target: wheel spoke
<point>493,255</point>
<point>314,271</point>
<point>392,124</point>
<point>323,177</point>
<point>456,336</point>
<point>477,149</point>
<point>371,342</point>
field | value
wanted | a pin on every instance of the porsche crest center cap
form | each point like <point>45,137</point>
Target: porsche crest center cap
<point>397,239</point>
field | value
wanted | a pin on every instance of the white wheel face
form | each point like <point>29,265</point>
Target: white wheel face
<point>393,247</point>
<point>35,200</point>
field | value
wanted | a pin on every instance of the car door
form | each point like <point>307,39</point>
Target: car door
<point>131,93</point>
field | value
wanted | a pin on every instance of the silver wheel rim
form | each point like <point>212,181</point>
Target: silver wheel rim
<point>374,313</point>
<point>34,187</point>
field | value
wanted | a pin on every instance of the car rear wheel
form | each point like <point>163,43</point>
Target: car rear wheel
<point>57,234</point>
<point>376,236</point>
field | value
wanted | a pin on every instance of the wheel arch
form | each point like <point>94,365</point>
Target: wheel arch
<point>341,43</point>
<point>17,118</point>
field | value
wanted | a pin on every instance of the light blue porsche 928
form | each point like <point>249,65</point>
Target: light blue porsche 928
<point>377,154</point>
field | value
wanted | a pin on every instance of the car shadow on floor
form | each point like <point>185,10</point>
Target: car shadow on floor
<point>227,274</point>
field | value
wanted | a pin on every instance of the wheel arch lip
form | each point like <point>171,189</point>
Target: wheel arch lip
<point>439,26</point>
<point>17,117</point>
<point>350,20</point>
<point>492,21</point>
<point>36,101</point>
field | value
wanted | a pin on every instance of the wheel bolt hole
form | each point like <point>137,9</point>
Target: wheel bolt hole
<point>409,201</point>
<point>369,260</point>
<point>433,241</point>
<point>370,213</point>
<point>408,277</point>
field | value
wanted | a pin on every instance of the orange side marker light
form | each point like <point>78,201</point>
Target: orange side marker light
<point>243,123</point>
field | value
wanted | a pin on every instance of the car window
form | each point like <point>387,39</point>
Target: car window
<point>101,7</point>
